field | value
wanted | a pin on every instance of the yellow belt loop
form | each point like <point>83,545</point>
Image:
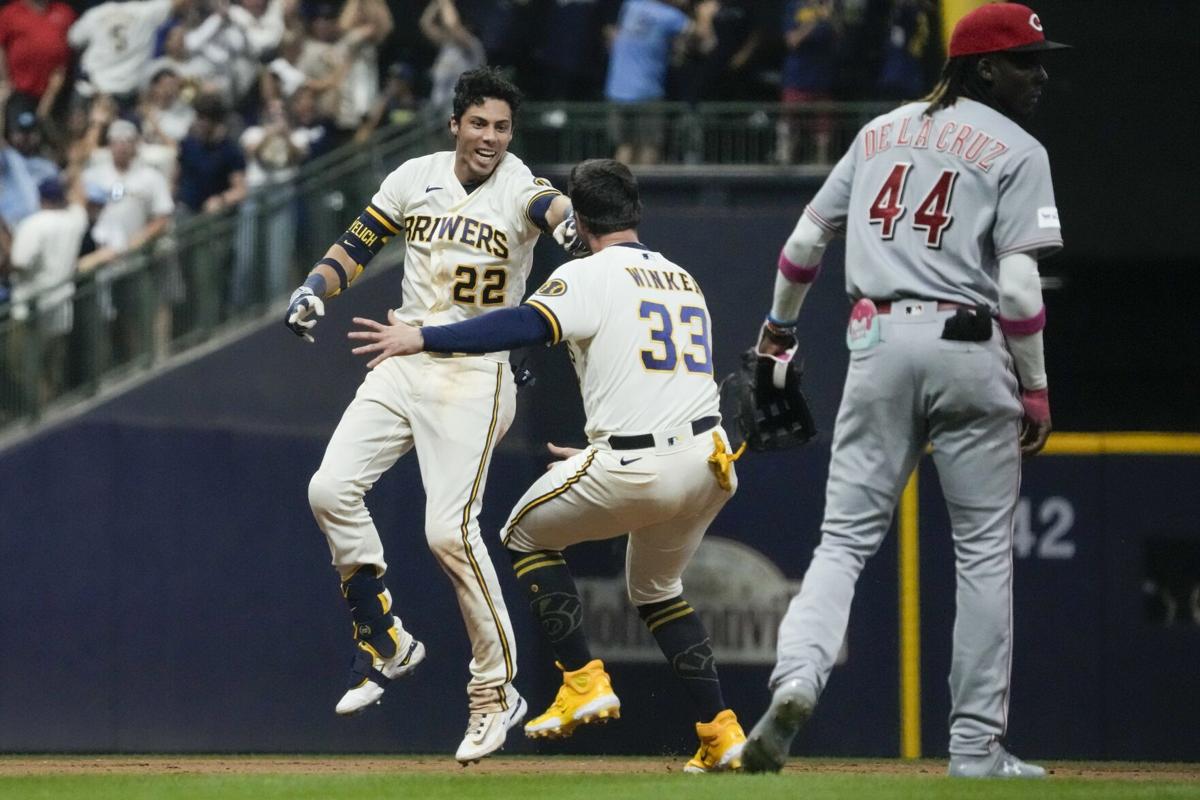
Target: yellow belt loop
<point>722,461</point>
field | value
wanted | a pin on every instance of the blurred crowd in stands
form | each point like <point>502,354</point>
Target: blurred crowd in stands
<point>123,117</point>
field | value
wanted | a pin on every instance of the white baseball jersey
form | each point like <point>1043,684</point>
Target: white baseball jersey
<point>467,254</point>
<point>117,40</point>
<point>640,337</point>
<point>136,197</point>
<point>930,203</point>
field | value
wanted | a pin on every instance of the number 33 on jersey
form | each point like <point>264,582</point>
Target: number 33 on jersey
<point>653,365</point>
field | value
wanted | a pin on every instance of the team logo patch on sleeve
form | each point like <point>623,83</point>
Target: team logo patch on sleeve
<point>553,288</point>
<point>543,182</point>
<point>1048,217</point>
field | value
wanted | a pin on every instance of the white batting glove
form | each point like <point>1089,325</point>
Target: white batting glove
<point>567,236</point>
<point>304,309</point>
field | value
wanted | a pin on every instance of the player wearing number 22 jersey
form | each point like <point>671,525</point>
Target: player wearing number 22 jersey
<point>470,219</point>
<point>946,206</point>
<point>657,465</point>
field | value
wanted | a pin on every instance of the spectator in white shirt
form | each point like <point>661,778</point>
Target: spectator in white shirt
<point>117,42</point>
<point>45,251</point>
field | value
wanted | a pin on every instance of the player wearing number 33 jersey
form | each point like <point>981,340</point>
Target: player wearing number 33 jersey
<point>469,219</point>
<point>946,205</point>
<point>657,466</point>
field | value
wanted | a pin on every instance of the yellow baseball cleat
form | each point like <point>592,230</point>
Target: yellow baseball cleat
<point>721,743</point>
<point>585,696</point>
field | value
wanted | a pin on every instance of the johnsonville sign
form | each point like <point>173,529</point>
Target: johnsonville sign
<point>738,592</point>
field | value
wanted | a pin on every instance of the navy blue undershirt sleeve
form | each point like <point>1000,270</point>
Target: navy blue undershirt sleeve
<point>498,330</point>
<point>539,207</point>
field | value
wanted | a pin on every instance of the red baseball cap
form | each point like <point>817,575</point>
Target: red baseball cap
<point>998,27</point>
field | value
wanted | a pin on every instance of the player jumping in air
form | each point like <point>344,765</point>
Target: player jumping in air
<point>470,218</point>
<point>946,205</point>
<point>657,466</point>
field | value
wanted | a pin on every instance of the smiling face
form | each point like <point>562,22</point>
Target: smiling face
<point>482,135</point>
<point>1015,81</point>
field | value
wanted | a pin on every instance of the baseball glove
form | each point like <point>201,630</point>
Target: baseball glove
<point>765,400</point>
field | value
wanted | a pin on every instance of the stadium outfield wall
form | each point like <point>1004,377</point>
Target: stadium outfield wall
<point>167,590</point>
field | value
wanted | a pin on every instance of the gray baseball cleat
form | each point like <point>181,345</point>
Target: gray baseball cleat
<point>997,764</point>
<point>770,740</point>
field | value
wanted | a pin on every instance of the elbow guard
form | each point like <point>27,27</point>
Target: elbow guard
<point>365,237</point>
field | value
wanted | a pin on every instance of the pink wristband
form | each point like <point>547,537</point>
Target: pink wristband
<point>1024,327</point>
<point>1036,404</point>
<point>797,273</point>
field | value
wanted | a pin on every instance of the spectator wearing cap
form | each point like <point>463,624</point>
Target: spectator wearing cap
<point>139,199</point>
<point>45,251</point>
<point>25,135</point>
<point>117,40</point>
<point>211,165</point>
<point>33,36</point>
<point>18,189</point>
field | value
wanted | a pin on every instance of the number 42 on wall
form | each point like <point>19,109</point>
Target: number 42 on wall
<point>1055,517</point>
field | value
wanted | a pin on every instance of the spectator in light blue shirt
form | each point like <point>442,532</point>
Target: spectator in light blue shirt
<point>25,135</point>
<point>18,189</point>
<point>648,34</point>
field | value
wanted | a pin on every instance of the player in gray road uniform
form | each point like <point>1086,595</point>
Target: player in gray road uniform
<point>946,204</point>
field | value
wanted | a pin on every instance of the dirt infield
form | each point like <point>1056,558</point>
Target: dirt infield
<point>579,765</point>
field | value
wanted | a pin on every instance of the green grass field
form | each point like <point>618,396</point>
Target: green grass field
<point>556,778</point>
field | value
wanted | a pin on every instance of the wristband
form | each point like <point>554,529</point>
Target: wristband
<point>337,267</point>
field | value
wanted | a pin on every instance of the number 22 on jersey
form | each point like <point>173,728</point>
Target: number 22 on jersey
<point>932,215</point>
<point>663,356</point>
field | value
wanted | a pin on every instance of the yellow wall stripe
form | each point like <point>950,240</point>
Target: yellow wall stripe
<point>910,622</point>
<point>466,519</point>
<point>655,626</point>
<point>1105,443</point>
<point>1134,443</point>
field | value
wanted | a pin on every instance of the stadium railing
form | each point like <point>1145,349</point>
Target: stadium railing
<point>212,273</point>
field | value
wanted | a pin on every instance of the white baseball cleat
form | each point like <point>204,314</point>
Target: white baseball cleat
<point>371,673</point>
<point>997,764</point>
<point>487,730</point>
<point>770,741</point>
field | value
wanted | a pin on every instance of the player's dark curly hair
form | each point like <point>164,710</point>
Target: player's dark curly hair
<point>477,85</point>
<point>605,196</point>
<point>960,78</point>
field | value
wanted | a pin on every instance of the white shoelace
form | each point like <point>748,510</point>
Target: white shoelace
<point>476,723</point>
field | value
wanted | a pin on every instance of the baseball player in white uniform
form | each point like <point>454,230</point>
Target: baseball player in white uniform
<point>657,466</point>
<point>470,219</point>
<point>946,205</point>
